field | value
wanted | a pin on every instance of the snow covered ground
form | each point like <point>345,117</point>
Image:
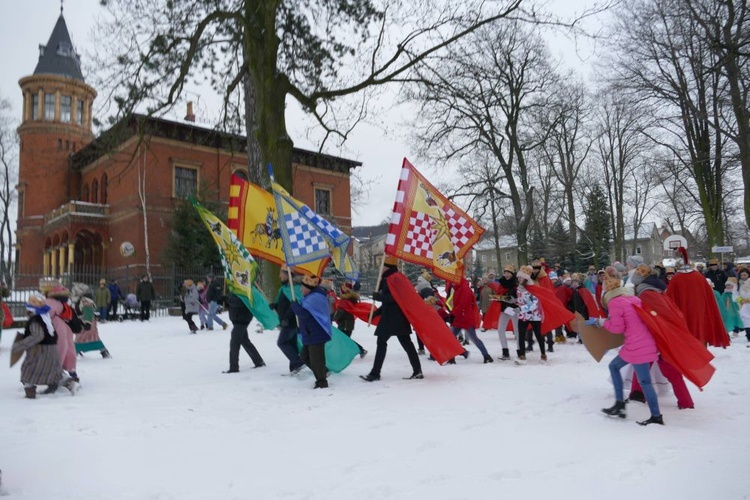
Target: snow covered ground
<point>160,421</point>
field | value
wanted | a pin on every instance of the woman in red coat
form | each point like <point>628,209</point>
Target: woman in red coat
<point>465,313</point>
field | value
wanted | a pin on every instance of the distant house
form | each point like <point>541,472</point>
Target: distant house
<point>369,246</point>
<point>646,242</point>
<point>484,252</point>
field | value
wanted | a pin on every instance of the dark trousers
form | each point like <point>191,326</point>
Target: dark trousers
<point>113,310</point>
<point>287,342</point>
<point>314,356</point>
<point>189,318</point>
<point>536,327</point>
<point>240,338</point>
<point>145,310</point>
<point>406,343</point>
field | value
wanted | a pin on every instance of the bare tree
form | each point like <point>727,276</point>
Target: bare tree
<point>483,98</point>
<point>665,63</point>
<point>725,25</point>
<point>8,162</point>
<point>620,142</point>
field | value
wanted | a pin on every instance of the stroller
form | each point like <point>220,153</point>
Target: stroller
<point>132,308</point>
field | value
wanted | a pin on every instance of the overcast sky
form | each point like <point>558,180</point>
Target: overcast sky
<point>24,24</point>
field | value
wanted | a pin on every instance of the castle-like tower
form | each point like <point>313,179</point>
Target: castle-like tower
<point>56,122</point>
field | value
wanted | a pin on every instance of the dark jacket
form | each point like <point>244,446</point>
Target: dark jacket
<point>719,278</point>
<point>239,314</point>
<point>511,285</point>
<point>343,319</point>
<point>48,339</point>
<point>115,292</point>
<point>576,304</point>
<point>311,331</point>
<point>145,291</point>
<point>392,319</point>
<point>287,318</point>
<point>213,293</point>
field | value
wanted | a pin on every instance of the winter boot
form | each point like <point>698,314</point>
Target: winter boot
<point>30,392</point>
<point>323,384</point>
<point>505,356</point>
<point>544,357</point>
<point>653,420</point>
<point>51,389</point>
<point>370,377</point>
<point>106,354</point>
<point>618,410</point>
<point>465,354</point>
<point>415,376</point>
<point>488,359</point>
<point>529,347</point>
<point>521,356</point>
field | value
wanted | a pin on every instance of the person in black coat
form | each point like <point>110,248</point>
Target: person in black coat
<point>240,316</point>
<point>392,322</point>
<point>716,275</point>
<point>287,341</point>
<point>213,297</point>
<point>145,293</point>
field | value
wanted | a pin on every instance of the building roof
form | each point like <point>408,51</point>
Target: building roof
<point>488,242</point>
<point>59,57</point>
<point>364,233</point>
<point>188,132</point>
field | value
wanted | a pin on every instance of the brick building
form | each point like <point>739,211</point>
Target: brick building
<point>82,199</point>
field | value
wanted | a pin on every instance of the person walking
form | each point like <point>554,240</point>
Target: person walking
<point>191,304</point>
<point>639,348</point>
<point>115,296</point>
<point>145,293</point>
<point>393,322</point>
<point>465,314</point>
<point>529,314</point>
<point>102,298</point>
<point>240,316</point>
<point>314,328</point>
<point>213,297</point>
<point>287,341</point>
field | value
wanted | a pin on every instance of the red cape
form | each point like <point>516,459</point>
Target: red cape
<point>554,314</point>
<point>545,282</point>
<point>695,298</point>
<point>433,331</point>
<point>591,305</point>
<point>359,310</point>
<point>676,344</point>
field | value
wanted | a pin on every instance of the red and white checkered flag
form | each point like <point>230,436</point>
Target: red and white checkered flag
<point>427,229</point>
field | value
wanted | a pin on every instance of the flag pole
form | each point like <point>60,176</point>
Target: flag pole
<point>377,287</point>
<point>291,282</point>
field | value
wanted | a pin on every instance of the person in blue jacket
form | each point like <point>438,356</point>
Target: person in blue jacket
<point>115,296</point>
<point>314,328</point>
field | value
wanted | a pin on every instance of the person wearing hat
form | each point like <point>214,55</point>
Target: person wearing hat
<point>240,316</point>
<point>424,287</point>
<point>115,296</point>
<point>730,310</point>
<point>718,276</point>
<point>314,328</point>
<point>638,349</point>
<point>393,322</point>
<point>213,297</point>
<point>145,293</point>
<point>529,314</point>
<point>42,364</point>
<point>287,341</point>
<point>343,317</point>
<point>631,263</point>
<point>192,303</point>
<point>668,275</point>
<point>102,298</point>
<point>508,310</point>
<point>464,314</point>
<point>60,313</point>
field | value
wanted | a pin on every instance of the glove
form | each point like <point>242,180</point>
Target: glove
<point>600,322</point>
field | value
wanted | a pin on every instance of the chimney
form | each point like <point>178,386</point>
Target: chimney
<point>190,116</point>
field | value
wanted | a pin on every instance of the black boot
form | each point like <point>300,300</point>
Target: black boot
<point>370,377</point>
<point>51,389</point>
<point>550,347</point>
<point>30,392</point>
<point>618,410</point>
<point>506,355</point>
<point>653,420</point>
<point>488,359</point>
<point>415,376</point>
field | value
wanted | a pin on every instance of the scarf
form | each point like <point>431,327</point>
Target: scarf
<point>43,313</point>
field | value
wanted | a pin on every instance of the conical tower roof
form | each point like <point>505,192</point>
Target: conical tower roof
<point>59,57</point>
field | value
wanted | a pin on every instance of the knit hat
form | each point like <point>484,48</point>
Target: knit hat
<point>634,261</point>
<point>670,270</point>
<point>510,268</point>
<point>620,268</point>
<point>310,281</point>
<point>102,281</point>
<point>59,291</point>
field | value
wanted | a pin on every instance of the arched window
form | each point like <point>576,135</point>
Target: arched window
<point>104,189</point>
<point>242,174</point>
<point>85,192</point>
<point>95,191</point>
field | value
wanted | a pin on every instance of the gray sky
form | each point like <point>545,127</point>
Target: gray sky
<point>24,24</point>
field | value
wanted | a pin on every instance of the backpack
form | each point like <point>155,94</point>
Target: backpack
<point>70,316</point>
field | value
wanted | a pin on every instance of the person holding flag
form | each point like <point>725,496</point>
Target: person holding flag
<point>287,341</point>
<point>314,328</point>
<point>240,316</point>
<point>393,322</point>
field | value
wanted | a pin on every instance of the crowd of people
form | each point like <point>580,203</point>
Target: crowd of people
<point>534,304</point>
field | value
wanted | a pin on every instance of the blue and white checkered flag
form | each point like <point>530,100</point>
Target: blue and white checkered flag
<point>302,240</point>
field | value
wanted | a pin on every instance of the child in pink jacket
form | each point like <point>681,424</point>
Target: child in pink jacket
<point>638,349</point>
